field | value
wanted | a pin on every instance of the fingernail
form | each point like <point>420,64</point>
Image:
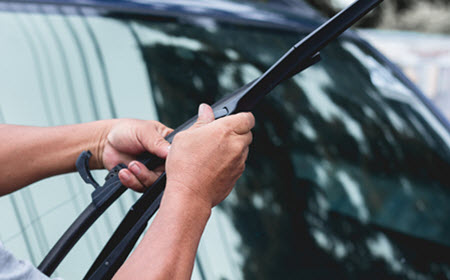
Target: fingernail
<point>201,108</point>
<point>134,168</point>
<point>168,147</point>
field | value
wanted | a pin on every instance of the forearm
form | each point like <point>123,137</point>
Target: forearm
<point>29,154</point>
<point>168,249</point>
<point>200,174</point>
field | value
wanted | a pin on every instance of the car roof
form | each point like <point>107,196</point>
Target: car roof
<point>301,18</point>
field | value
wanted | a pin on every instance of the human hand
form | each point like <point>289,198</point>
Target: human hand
<point>129,138</point>
<point>206,160</point>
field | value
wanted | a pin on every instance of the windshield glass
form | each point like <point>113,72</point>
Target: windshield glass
<point>345,137</point>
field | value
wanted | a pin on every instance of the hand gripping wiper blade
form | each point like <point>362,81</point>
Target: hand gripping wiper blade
<point>302,55</point>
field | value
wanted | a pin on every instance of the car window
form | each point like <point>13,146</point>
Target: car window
<point>58,70</point>
<point>345,176</point>
<point>346,161</point>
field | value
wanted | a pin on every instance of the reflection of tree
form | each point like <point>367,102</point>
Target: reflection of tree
<point>276,244</point>
<point>418,15</point>
<point>294,234</point>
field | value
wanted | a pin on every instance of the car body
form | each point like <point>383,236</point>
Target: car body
<point>347,175</point>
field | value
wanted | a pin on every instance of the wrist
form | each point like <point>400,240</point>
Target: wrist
<point>177,194</point>
<point>97,143</point>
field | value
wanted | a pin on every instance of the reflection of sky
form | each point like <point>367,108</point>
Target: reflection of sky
<point>150,37</point>
<point>352,190</point>
<point>314,81</point>
<point>391,88</point>
<point>249,73</point>
<point>341,3</point>
<point>425,58</point>
<point>333,245</point>
<point>304,126</point>
<point>223,7</point>
<point>381,247</point>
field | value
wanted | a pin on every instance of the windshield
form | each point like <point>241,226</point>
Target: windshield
<point>346,174</point>
<point>344,137</point>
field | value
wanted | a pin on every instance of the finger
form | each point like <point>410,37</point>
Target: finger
<point>162,129</point>
<point>130,181</point>
<point>116,157</point>
<point>144,176</point>
<point>160,169</point>
<point>247,138</point>
<point>241,123</point>
<point>154,141</point>
<point>158,146</point>
<point>205,115</point>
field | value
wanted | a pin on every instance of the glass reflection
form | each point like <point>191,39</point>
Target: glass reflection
<point>345,174</point>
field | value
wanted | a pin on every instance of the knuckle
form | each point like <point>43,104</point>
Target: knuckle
<point>143,175</point>
<point>221,132</point>
<point>150,127</point>
<point>227,131</point>
<point>252,117</point>
<point>245,118</point>
<point>134,184</point>
<point>248,118</point>
<point>249,138</point>
<point>159,142</point>
<point>236,147</point>
<point>224,127</point>
<point>249,121</point>
<point>166,131</point>
<point>111,136</point>
<point>160,128</point>
<point>147,180</point>
<point>179,136</point>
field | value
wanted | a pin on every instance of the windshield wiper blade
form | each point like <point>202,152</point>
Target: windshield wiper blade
<point>102,198</point>
<point>302,55</point>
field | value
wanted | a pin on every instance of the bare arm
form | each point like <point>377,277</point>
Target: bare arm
<point>168,248</point>
<point>202,168</point>
<point>30,153</point>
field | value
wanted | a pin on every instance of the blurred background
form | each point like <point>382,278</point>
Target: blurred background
<point>414,34</point>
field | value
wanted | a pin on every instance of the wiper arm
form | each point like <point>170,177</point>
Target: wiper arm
<point>302,55</point>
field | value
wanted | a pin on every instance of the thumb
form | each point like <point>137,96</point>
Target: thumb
<point>153,139</point>
<point>158,146</point>
<point>205,115</point>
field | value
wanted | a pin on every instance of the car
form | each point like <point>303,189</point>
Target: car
<point>347,176</point>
